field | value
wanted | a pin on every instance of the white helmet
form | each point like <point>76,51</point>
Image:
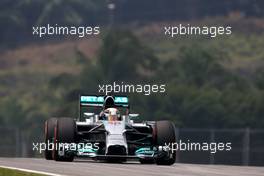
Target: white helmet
<point>112,114</point>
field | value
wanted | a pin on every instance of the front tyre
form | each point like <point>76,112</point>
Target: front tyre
<point>49,135</point>
<point>64,133</point>
<point>165,131</point>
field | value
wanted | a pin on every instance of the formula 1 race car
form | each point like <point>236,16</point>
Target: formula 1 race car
<point>109,132</point>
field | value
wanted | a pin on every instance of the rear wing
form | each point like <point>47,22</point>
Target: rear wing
<point>99,101</point>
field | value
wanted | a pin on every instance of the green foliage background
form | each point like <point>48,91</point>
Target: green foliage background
<point>202,90</point>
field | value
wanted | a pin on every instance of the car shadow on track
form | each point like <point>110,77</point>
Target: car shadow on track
<point>107,162</point>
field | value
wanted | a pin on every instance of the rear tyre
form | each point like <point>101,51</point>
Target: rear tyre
<point>49,135</point>
<point>165,135</point>
<point>64,132</point>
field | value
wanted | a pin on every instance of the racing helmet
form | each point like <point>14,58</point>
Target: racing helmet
<point>112,114</point>
<point>109,102</point>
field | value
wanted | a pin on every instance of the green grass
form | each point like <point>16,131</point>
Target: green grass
<point>11,172</point>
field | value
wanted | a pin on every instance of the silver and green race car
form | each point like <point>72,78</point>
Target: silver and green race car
<point>106,130</point>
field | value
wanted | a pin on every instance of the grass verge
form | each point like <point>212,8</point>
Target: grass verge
<point>13,172</point>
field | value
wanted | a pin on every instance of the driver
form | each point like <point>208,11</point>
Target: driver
<point>111,114</point>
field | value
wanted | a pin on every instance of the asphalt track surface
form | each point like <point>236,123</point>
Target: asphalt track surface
<point>94,168</point>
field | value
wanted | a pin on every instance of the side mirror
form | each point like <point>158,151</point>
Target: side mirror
<point>89,114</point>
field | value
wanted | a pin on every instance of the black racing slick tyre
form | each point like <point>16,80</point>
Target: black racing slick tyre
<point>165,134</point>
<point>49,135</point>
<point>64,133</point>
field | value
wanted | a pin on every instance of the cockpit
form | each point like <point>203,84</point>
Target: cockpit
<point>110,114</point>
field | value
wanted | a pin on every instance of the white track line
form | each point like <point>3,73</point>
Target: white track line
<point>31,171</point>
